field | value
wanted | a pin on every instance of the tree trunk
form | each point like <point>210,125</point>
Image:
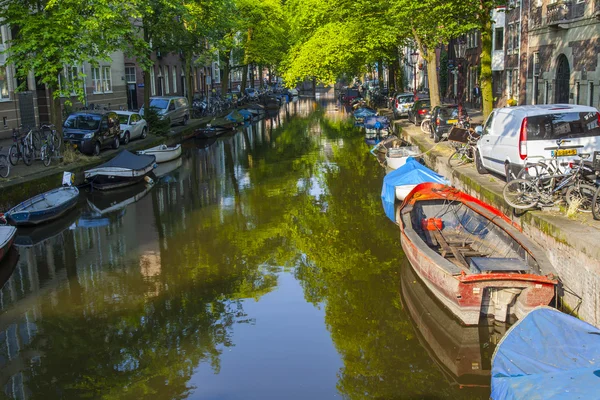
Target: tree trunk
<point>226,72</point>
<point>260,76</point>
<point>380,73</point>
<point>244,77</point>
<point>55,110</point>
<point>252,76</point>
<point>391,73</point>
<point>432,77</point>
<point>147,88</point>
<point>399,84</point>
<point>188,77</point>
<point>485,80</point>
<point>314,87</point>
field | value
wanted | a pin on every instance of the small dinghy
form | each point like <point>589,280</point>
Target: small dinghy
<point>123,170</point>
<point>396,157</point>
<point>473,258</point>
<point>381,150</point>
<point>399,183</point>
<point>163,153</point>
<point>361,113</point>
<point>7,236</point>
<point>376,124</point>
<point>246,114</point>
<point>44,207</point>
<point>235,116</point>
<point>547,355</point>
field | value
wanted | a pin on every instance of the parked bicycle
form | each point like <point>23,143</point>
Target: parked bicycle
<point>426,124</point>
<point>547,185</point>
<point>464,142</point>
<point>50,148</point>
<point>21,149</point>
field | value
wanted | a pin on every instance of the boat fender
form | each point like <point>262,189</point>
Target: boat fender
<point>432,224</point>
<point>149,180</point>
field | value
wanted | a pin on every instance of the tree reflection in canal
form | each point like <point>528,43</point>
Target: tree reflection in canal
<point>130,304</point>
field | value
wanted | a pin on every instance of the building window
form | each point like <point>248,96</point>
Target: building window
<point>96,80</point>
<point>536,64</point>
<point>499,39</point>
<point>106,79</point>
<point>591,94</point>
<point>516,35</point>
<point>509,35</point>
<point>515,82</point>
<point>152,82</point>
<point>174,79</point>
<point>130,74</point>
<point>3,84</point>
<point>167,75</point>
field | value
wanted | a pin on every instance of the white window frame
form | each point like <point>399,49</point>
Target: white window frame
<point>174,79</point>
<point>129,68</point>
<point>96,80</point>
<point>152,81</point>
<point>167,76</point>
<point>107,79</point>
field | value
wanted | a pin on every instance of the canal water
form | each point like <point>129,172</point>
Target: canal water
<point>259,266</point>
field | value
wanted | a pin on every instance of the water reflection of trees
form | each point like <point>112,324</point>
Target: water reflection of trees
<point>352,265</point>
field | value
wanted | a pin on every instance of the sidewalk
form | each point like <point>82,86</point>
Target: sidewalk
<point>572,243</point>
<point>26,181</point>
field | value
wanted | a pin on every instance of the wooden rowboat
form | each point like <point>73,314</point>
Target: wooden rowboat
<point>163,153</point>
<point>44,207</point>
<point>7,236</point>
<point>471,256</point>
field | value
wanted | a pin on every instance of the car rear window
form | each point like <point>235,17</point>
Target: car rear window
<point>448,112</point>
<point>562,126</point>
<point>88,122</point>
<point>424,104</point>
<point>405,99</point>
<point>352,93</point>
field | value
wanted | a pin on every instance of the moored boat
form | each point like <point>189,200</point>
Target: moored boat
<point>103,203</point>
<point>31,236</point>
<point>7,236</point>
<point>163,153</point>
<point>471,256</point>
<point>44,207</point>
<point>396,157</point>
<point>123,170</point>
<point>547,355</point>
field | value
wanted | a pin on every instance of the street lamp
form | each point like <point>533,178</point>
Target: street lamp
<point>460,47</point>
<point>414,59</point>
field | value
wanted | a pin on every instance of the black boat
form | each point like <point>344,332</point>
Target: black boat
<point>31,236</point>
<point>104,203</point>
<point>123,170</point>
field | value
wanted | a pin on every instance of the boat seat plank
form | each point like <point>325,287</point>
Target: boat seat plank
<point>430,238</point>
<point>442,242</point>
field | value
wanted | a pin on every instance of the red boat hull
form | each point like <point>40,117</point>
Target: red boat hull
<point>468,296</point>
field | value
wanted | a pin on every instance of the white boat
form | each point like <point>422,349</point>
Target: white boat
<point>7,236</point>
<point>163,153</point>
<point>123,170</point>
<point>396,156</point>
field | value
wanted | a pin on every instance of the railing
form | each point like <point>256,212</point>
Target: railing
<point>566,10</point>
<point>558,12</point>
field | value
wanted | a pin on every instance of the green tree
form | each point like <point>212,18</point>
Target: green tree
<point>48,35</point>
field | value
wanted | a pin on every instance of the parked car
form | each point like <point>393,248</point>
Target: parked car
<point>349,95</point>
<point>442,119</point>
<point>511,135</point>
<point>90,131</point>
<point>171,108</point>
<point>418,110</point>
<point>132,125</point>
<point>402,103</point>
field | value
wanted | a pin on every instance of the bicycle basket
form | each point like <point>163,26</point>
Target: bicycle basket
<point>461,135</point>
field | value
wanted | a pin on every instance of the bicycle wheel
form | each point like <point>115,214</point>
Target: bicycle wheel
<point>36,139</point>
<point>582,194</point>
<point>46,155</point>
<point>27,154</point>
<point>457,159</point>
<point>425,126</point>
<point>13,155</point>
<point>596,204</point>
<point>4,166</point>
<point>521,194</point>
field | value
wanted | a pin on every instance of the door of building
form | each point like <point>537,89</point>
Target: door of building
<point>563,76</point>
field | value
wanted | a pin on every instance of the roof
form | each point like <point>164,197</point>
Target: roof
<point>126,112</point>
<point>128,160</point>
<point>541,109</point>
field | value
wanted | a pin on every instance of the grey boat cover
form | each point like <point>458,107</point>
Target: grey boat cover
<point>129,160</point>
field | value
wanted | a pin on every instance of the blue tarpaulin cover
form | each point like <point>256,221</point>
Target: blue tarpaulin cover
<point>547,355</point>
<point>364,112</point>
<point>375,122</point>
<point>411,173</point>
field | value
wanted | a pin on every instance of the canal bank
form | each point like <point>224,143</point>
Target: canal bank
<point>572,244</point>
<point>25,182</point>
<point>262,267</point>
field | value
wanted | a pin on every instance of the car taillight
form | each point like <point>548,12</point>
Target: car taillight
<point>396,103</point>
<point>437,121</point>
<point>523,140</point>
<point>422,111</point>
<point>598,114</point>
<point>571,165</point>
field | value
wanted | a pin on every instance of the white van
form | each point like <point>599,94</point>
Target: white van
<point>513,134</point>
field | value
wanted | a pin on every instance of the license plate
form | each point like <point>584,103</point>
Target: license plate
<point>452,121</point>
<point>564,152</point>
